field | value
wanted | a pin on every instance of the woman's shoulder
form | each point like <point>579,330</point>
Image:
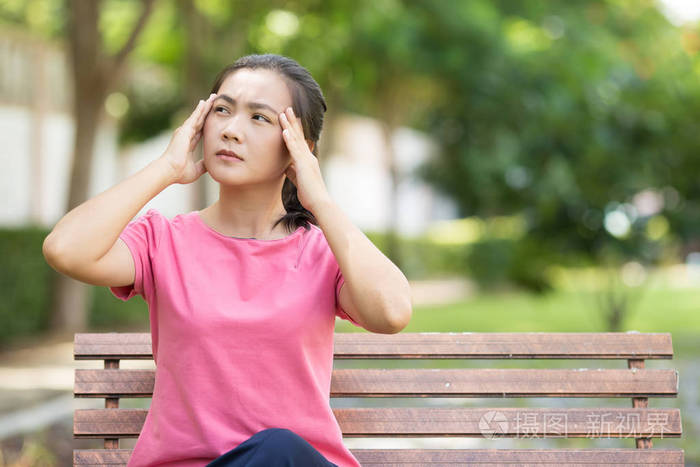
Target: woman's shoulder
<point>313,227</point>
<point>315,239</point>
<point>154,219</point>
<point>315,232</point>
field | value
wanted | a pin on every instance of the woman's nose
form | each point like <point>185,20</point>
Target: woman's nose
<point>232,130</point>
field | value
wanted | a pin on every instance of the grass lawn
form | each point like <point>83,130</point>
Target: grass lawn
<point>657,310</point>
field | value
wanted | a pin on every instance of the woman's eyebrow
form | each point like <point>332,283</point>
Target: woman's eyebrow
<point>250,105</point>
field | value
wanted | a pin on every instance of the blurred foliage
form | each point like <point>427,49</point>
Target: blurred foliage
<point>564,113</point>
<point>46,18</point>
<point>578,117</point>
<point>495,262</point>
<point>24,286</point>
<point>426,259</point>
<point>110,314</point>
<point>24,282</point>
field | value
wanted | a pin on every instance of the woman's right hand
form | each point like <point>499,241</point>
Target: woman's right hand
<point>180,151</point>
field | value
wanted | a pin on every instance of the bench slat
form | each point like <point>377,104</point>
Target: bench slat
<point>504,345</point>
<point>126,345</point>
<point>433,383</point>
<point>422,422</point>
<point>450,457</point>
<point>503,383</point>
<point>510,422</point>
<point>91,346</point>
<point>519,457</point>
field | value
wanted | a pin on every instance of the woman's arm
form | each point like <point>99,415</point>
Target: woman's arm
<point>85,234</point>
<point>379,294</point>
<point>88,232</point>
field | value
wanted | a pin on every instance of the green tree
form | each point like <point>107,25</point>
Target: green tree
<point>563,113</point>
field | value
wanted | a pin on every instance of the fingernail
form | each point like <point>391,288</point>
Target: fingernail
<point>212,95</point>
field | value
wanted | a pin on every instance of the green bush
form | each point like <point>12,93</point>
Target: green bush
<point>489,261</point>
<point>494,263</point>
<point>420,258</point>
<point>108,313</point>
<point>529,265</point>
<point>24,283</point>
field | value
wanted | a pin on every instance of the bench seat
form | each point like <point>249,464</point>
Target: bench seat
<point>638,423</point>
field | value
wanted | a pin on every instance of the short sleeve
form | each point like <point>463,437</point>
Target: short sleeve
<point>141,236</point>
<point>339,281</point>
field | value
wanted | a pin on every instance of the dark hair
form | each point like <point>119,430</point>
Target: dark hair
<point>308,104</point>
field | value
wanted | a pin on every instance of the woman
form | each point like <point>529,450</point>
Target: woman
<point>242,295</point>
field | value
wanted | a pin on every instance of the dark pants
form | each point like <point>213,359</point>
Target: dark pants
<point>273,447</point>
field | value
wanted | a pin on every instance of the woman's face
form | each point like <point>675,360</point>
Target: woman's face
<point>244,119</point>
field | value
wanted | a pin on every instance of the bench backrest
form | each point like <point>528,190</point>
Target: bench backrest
<point>638,422</point>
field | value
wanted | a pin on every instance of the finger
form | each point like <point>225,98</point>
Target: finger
<point>289,117</point>
<point>199,123</point>
<point>284,121</point>
<point>201,168</point>
<point>293,134</point>
<point>193,116</point>
<point>285,124</point>
<point>286,138</point>
<point>290,141</point>
<point>200,109</point>
<point>193,143</point>
<point>287,120</point>
<point>208,104</point>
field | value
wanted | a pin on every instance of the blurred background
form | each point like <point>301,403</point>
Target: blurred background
<point>530,166</point>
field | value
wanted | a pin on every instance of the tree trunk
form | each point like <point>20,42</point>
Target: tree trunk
<point>94,74</point>
<point>70,297</point>
<point>71,302</point>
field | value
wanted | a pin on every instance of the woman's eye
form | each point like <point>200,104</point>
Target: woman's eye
<point>255,117</point>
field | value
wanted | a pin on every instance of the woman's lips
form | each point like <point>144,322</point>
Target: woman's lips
<point>229,158</point>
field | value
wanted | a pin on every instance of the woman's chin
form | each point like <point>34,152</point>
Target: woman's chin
<point>219,176</point>
<point>230,182</point>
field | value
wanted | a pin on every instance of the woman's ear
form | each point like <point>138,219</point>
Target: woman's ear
<point>311,145</point>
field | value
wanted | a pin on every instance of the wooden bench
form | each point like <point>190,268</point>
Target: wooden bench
<point>638,423</point>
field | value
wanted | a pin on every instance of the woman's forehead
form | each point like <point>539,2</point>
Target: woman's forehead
<point>259,85</point>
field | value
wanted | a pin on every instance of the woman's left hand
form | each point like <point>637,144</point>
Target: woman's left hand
<point>304,170</point>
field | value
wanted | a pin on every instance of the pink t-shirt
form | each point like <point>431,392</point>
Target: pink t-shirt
<point>242,334</point>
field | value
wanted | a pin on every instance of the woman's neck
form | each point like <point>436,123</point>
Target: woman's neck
<point>247,213</point>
